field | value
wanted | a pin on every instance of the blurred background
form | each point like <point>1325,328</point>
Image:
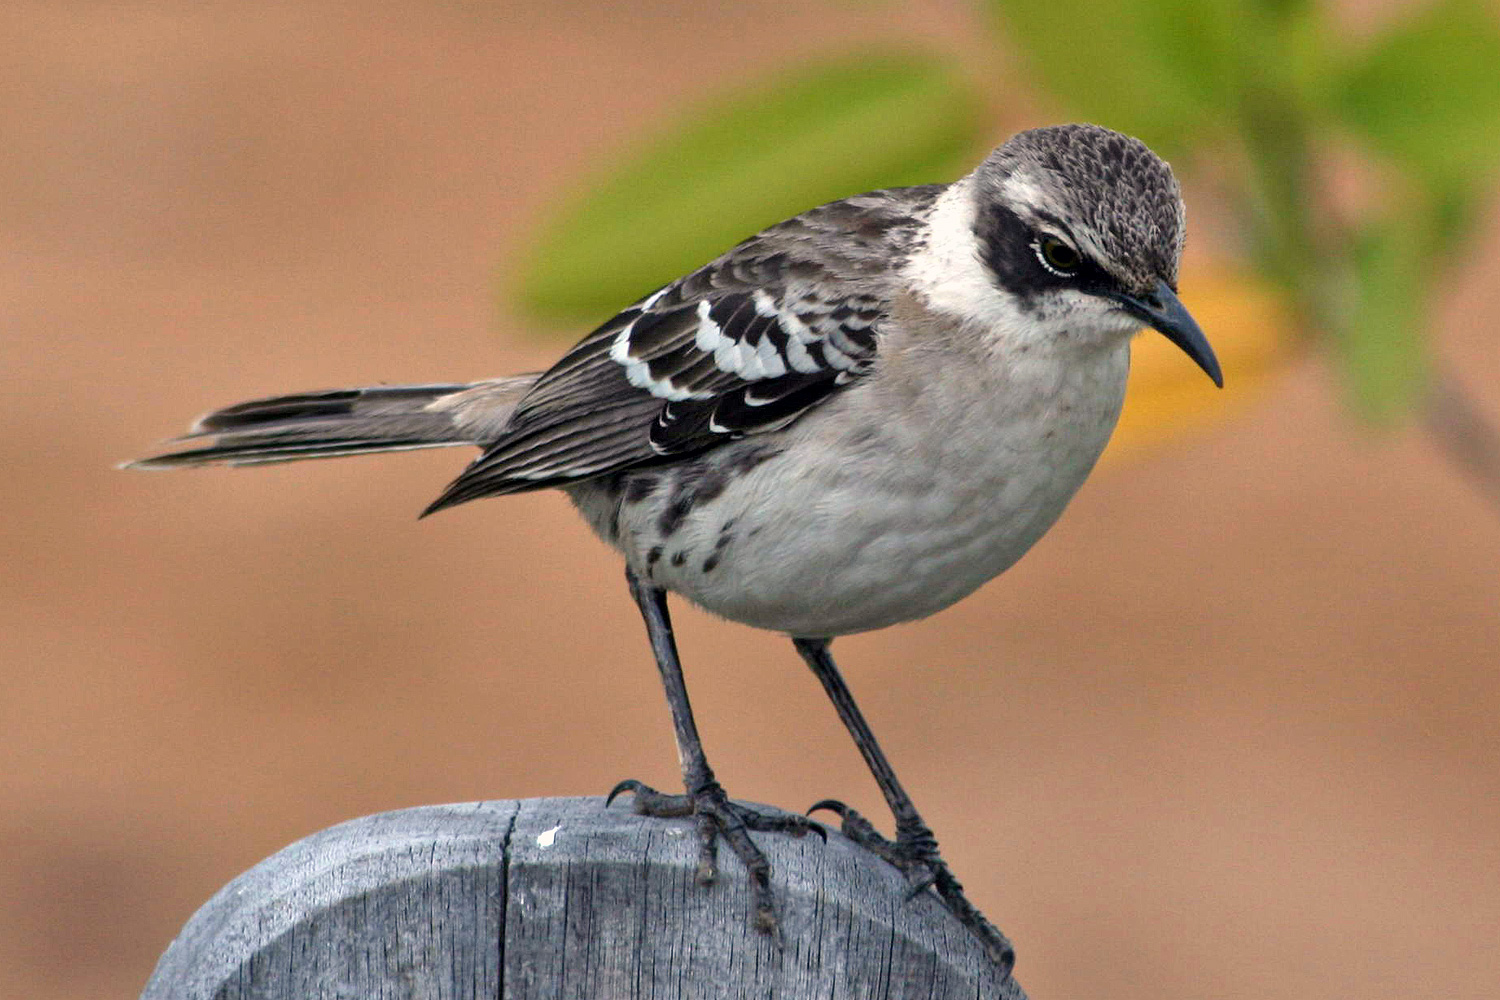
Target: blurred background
<point>1231,730</point>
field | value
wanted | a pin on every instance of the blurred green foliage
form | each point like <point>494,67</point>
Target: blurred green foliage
<point>1427,94</point>
<point>866,120</point>
<point>1272,99</point>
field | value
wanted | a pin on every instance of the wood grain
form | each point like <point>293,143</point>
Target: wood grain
<point>560,899</point>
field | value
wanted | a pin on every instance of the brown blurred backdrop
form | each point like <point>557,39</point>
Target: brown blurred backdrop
<point>1230,731</point>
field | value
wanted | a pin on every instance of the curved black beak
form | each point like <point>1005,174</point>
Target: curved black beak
<point>1164,312</point>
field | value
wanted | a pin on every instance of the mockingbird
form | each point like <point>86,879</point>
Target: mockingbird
<point>851,419</point>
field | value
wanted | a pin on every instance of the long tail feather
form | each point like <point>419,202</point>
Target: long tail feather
<point>345,422</point>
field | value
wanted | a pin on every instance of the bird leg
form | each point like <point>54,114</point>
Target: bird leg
<point>915,849</point>
<point>704,798</point>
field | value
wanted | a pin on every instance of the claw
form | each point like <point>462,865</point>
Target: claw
<point>628,785</point>
<point>831,805</point>
<point>853,825</point>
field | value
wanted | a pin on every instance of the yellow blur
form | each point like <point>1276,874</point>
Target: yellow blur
<point>1253,336</point>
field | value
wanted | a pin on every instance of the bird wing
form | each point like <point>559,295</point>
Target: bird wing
<point>744,345</point>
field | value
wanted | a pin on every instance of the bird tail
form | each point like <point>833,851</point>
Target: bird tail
<point>346,422</point>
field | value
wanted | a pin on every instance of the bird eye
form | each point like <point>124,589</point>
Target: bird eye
<point>1057,256</point>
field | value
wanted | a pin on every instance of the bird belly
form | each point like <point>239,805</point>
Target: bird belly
<point>891,530</point>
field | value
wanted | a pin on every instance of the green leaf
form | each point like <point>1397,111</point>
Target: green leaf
<point>1158,69</point>
<point>1309,56</point>
<point>1427,93</point>
<point>1383,350</point>
<point>1288,8</point>
<point>867,120</point>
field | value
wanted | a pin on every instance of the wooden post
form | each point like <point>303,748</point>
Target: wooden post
<point>556,899</point>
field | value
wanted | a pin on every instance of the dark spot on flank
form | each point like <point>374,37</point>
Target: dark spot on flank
<point>674,512</point>
<point>695,483</point>
<point>710,485</point>
<point>612,488</point>
<point>704,480</point>
<point>726,535</point>
<point>748,456</point>
<point>639,488</point>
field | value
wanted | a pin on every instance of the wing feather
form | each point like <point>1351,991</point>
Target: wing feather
<point>744,345</point>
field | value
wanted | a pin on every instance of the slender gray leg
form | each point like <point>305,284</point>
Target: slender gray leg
<point>915,849</point>
<point>705,799</point>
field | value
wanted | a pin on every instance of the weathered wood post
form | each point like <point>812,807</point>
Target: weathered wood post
<point>561,898</point>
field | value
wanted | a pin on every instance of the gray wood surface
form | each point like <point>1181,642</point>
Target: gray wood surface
<point>561,899</point>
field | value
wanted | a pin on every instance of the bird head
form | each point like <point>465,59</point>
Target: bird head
<point>1080,229</point>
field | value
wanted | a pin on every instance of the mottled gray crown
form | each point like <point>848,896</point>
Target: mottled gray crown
<point>1107,188</point>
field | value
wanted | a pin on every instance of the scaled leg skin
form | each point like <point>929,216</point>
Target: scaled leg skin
<point>915,849</point>
<point>704,799</point>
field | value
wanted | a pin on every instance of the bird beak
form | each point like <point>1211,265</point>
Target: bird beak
<point>1164,312</point>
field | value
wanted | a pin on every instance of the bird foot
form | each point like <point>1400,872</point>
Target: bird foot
<point>914,853</point>
<point>716,817</point>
